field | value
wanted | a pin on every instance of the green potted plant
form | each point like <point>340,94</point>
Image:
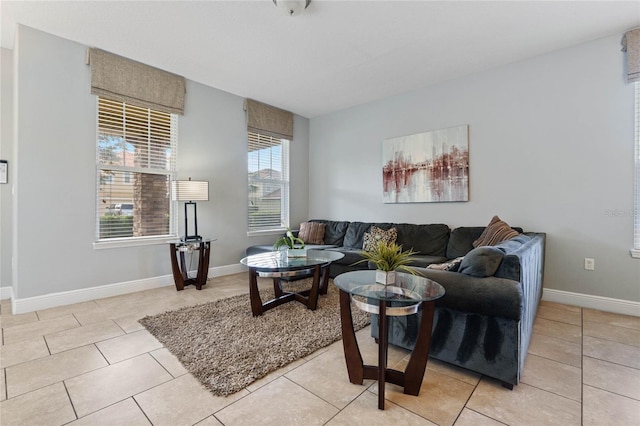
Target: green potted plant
<point>293,245</point>
<point>388,258</point>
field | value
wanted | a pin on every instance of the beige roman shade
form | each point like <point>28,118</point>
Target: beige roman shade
<point>631,45</point>
<point>124,80</point>
<point>268,120</point>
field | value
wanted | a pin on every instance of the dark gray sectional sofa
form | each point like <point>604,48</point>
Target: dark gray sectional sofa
<point>485,320</point>
<point>346,237</point>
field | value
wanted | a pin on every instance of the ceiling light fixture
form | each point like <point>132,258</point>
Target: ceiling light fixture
<point>292,7</point>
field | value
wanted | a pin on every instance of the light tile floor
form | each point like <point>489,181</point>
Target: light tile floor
<point>93,364</point>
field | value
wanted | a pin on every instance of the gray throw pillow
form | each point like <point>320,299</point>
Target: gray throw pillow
<point>481,262</point>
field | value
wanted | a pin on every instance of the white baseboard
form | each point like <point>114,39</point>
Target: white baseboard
<point>6,293</point>
<point>608,304</point>
<point>52,300</point>
<point>20,306</point>
<point>220,271</point>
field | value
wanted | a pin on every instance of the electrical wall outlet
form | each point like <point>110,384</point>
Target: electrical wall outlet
<point>589,264</point>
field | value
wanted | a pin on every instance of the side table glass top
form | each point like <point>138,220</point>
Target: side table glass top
<point>278,260</point>
<point>178,242</point>
<point>408,292</point>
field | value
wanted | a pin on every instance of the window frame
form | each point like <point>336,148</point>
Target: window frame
<point>283,182</point>
<point>635,251</point>
<point>170,173</point>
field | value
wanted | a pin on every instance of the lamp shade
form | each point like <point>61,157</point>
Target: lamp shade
<point>190,190</point>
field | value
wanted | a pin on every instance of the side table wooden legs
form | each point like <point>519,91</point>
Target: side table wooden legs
<point>180,268</point>
<point>411,378</point>
<point>306,297</point>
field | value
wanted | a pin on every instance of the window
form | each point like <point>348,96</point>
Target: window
<point>136,150</point>
<point>268,171</point>
<point>636,239</point>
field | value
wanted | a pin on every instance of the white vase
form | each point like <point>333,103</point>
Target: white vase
<point>385,277</point>
<point>296,252</point>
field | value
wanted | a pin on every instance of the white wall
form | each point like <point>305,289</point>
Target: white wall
<point>551,150</point>
<point>55,150</point>
<point>6,129</point>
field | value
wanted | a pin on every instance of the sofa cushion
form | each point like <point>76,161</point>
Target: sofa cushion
<point>334,231</point>
<point>461,240</point>
<point>351,256</point>
<point>353,238</point>
<point>481,261</point>
<point>496,232</point>
<point>312,232</point>
<point>429,240</point>
<point>376,235</point>
<point>424,261</point>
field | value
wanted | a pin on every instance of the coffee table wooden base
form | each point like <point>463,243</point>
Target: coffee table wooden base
<point>307,297</point>
<point>411,378</point>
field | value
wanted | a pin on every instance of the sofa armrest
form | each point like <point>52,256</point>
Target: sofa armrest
<point>492,296</point>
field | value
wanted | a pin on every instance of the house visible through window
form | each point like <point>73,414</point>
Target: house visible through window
<point>135,164</point>
<point>268,172</point>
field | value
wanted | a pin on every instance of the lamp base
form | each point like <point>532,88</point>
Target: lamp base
<point>191,238</point>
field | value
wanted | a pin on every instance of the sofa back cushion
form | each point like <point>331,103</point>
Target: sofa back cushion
<point>462,238</point>
<point>355,233</point>
<point>428,240</point>
<point>334,231</point>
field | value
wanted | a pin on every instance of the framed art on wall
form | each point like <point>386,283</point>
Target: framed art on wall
<point>426,167</point>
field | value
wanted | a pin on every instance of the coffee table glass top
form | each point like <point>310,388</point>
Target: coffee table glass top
<point>408,288</point>
<point>278,261</point>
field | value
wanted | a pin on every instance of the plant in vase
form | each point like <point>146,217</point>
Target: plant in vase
<point>293,245</point>
<point>388,258</point>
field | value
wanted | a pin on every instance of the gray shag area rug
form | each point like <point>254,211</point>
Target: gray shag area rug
<point>227,349</point>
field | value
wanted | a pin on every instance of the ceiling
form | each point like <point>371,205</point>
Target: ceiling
<point>336,54</point>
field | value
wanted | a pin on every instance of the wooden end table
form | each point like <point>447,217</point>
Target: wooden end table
<point>410,293</point>
<point>178,250</point>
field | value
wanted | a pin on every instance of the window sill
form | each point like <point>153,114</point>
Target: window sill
<point>266,232</point>
<point>635,253</point>
<point>132,242</point>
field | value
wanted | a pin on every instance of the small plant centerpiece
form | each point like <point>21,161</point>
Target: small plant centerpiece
<point>293,245</point>
<point>388,258</point>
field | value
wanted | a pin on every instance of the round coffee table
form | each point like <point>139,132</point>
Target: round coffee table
<point>277,265</point>
<point>409,294</point>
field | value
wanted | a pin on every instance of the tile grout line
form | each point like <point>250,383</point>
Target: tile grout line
<point>611,362</point>
<point>73,407</point>
<point>613,393</point>
<point>6,387</point>
<point>135,401</point>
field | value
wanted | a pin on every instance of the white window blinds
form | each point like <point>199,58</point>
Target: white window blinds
<point>268,172</point>
<point>136,151</point>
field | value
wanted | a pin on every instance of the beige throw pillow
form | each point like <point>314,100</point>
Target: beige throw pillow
<point>312,232</point>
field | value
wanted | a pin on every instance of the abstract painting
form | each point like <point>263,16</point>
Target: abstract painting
<point>427,167</point>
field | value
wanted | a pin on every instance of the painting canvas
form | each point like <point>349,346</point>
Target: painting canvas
<point>427,167</point>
